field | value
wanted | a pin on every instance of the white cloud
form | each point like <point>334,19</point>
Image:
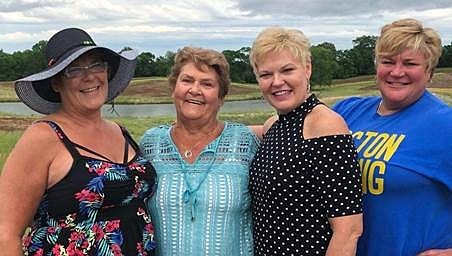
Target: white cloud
<point>337,8</point>
<point>161,25</point>
<point>20,37</point>
<point>18,17</point>
<point>24,5</point>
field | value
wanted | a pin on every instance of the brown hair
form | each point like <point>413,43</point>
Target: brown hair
<point>201,58</point>
<point>409,34</point>
<point>277,39</point>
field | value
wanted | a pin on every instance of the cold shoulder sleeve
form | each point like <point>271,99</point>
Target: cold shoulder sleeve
<point>337,173</point>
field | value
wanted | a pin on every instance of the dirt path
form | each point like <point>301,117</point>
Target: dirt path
<point>14,123</point>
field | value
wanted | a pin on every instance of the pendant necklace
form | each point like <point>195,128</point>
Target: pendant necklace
<point>188,152</point>
<point>190,195</point>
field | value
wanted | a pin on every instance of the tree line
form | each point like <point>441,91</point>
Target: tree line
<point>328,62</point>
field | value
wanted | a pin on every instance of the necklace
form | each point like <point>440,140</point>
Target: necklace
<point>191,189</point>
<point>379,108</point>
<point>188,152</point>
<point>386,111</point>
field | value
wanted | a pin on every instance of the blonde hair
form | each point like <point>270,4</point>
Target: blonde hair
<point>276,39</point>
<point>409,34</point>
<point>201,58</point>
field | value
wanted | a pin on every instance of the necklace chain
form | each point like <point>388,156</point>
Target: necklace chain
<point>188,152</point>
<point>379,108</point>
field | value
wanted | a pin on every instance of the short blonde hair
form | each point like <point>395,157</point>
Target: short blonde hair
<point>409,34</point>
<point>201,58</point>
<point>276,39</point>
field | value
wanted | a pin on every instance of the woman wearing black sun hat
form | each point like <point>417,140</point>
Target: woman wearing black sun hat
<point>77,180</point>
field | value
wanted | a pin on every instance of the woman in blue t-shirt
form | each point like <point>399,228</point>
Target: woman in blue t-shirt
<point>403,139</point>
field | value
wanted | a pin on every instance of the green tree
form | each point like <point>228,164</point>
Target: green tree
<point>145,64</point>
<point>20,64</point>
<point>6,73</point>
<point>164,63</point>
<point>345,65</point>
<point>125,48</point>
<point>38,59</point>
<point>240,69</point>
<point>446,58</point>
<point>362,54</point>
<point>324,65</point>
<point>328,45</point>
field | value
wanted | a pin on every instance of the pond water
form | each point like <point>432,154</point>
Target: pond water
<point>147,110</point>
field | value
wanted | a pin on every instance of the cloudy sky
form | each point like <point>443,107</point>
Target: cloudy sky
<point>158,26</point>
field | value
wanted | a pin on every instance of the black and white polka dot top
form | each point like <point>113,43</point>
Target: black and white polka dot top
<point>296,184</point>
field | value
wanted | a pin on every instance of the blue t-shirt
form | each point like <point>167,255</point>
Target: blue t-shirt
<point>202,208</point>
<point>406,166</point>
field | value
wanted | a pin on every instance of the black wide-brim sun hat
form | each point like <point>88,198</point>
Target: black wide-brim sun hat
<point>62,49</point>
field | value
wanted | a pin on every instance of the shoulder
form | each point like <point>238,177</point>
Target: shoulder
<point>269,123</point>
<point>431,111</point>
<point>239,129</point>
<point>156,130</point>
<point>232,127</point>
<point>40,132</point>
<point>240,132</point>
<point>322,121</point>
<point>353,102</point>
<point>437,106</point>
<point>38,141</point>
<point>261,130</point>
<point>153,135</point>
<point>435,114</point>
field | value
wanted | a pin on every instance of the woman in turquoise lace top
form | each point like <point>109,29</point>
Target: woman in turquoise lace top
<point>202,203</point>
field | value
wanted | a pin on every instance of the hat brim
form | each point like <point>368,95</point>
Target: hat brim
<point>35,90</point>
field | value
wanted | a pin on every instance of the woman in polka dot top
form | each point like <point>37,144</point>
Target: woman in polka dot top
<point>305,178</point>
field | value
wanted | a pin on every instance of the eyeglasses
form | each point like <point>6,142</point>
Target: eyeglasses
<point>97,67</point>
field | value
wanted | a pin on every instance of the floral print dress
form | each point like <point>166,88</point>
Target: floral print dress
<point>98,208</point>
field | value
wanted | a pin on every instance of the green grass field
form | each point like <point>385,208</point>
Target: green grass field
<point>7,141</point>
<point>136,126</point>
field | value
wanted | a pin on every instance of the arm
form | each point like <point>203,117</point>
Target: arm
<point>437,252</point>
<point>22,183</point>
<point>347,225</point>
<point>346,231</point>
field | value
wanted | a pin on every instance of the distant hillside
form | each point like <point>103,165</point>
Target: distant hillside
<point>155,89</point>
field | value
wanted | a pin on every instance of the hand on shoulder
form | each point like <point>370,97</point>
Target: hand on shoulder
<point>322,121</point>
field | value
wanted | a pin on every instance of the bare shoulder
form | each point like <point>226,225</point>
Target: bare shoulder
<point>269,122</point>
<point>114,128</point>
<point>39,132</point>
<point>322,121</point>
<point>37,141</point>
<point>257,130</point>
<point>260,130</point>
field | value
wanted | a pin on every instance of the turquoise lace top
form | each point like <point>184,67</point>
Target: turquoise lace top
<point>202,208</point>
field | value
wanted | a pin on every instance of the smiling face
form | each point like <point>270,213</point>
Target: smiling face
<point>196,94</point>
<point>84,93</point>
<point>402,79</point>
<point>283,80</point>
